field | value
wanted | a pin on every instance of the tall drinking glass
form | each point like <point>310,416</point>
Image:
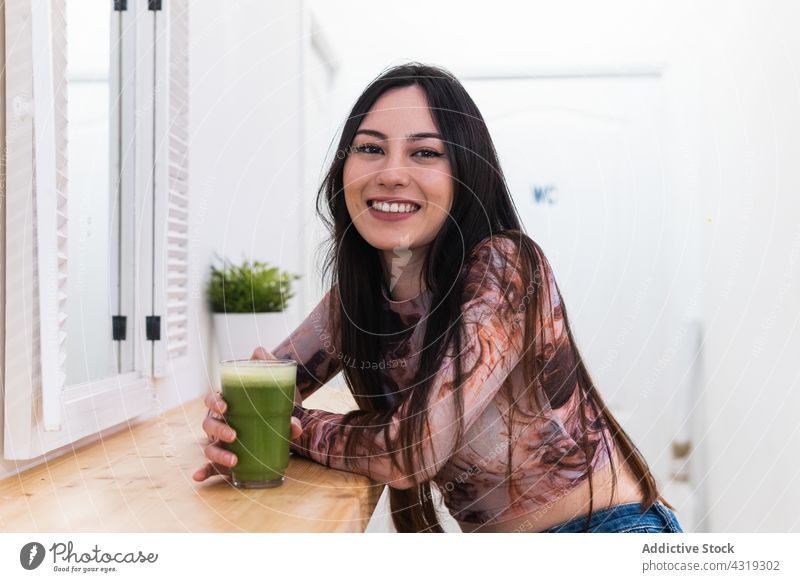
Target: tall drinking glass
<point>260,397</point>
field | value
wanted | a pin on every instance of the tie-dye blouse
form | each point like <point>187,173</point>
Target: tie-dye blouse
<point>515,457</point>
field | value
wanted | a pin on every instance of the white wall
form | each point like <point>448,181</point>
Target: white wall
<point>741,93</point>
<point>245,132</point>
<point>245,166</point>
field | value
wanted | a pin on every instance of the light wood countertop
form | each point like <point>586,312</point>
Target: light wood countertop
<point>140,480</point>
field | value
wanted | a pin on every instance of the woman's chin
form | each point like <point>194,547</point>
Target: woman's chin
<point>384,241</point>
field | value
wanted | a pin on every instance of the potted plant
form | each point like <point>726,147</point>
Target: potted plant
<point>247,301</point>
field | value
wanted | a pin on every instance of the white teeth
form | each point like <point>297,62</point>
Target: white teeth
<point>394,207</point>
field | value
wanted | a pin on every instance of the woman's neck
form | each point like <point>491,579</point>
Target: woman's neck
<point>402,270</point>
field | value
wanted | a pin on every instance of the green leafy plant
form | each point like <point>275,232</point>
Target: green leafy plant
<point>249,287</point>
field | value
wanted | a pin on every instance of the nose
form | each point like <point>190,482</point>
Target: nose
<point>393,174</point>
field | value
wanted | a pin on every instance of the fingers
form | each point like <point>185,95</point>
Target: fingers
<point>215,403</point>
<point>221,462</point>
<point>261,354</point>
<point>211,423</point>
<point>296,428</point>
<point>209,470</point>
<point>218,429</point>
<point>220,457</point>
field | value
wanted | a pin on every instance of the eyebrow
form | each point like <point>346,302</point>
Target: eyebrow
<point>410,136</point>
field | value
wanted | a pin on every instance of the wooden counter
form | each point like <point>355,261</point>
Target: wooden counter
<point>140,480</point>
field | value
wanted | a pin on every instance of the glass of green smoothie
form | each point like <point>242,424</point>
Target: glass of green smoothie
<point>260,397</point>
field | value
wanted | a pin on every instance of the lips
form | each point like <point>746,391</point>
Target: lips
<point>386,200</point>
<point>392,209</point>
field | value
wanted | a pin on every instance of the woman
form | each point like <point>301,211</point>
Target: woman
<point>447,323</point>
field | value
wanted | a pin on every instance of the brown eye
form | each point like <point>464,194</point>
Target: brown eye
<point>428,154</point>
<point>367,148</point>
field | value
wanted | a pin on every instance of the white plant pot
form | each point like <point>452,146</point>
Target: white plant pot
<point>238,334</point>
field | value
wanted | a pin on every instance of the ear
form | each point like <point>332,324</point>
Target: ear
<point>261,354</point>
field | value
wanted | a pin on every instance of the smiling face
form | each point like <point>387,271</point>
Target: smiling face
<point>398,186</point>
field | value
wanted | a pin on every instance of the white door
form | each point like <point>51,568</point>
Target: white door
<point>584,158</point>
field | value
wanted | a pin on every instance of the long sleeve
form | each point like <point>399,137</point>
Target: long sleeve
<point>492,346</point>
<point>315,346</point>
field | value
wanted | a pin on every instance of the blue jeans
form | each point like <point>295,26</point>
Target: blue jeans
<point>624,518</point>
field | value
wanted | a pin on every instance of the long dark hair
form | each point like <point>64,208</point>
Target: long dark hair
<point>482,207</point>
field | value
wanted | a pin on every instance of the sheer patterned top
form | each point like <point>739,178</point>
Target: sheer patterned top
<point>516,456</point>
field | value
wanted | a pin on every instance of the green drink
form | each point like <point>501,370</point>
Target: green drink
<point>260,397</point>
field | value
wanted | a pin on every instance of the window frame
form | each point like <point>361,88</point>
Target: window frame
<point>41,414</point>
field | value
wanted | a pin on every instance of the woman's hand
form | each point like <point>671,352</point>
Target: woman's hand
<point>218,431</point>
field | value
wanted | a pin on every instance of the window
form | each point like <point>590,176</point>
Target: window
<point>97,139</point>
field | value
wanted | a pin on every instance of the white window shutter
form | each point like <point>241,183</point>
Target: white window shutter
<point>36,403</point>
<point>22,327</point>
<point>173,256</point>
<point>36,219</point>
<point>46,204</point>
<point>178,205</point>
<point>59,20</point>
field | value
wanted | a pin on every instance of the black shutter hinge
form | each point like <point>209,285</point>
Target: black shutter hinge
<point>120,5</point>
<point>153,327</point>
<point>154,4</point>
<point>119,325</point>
